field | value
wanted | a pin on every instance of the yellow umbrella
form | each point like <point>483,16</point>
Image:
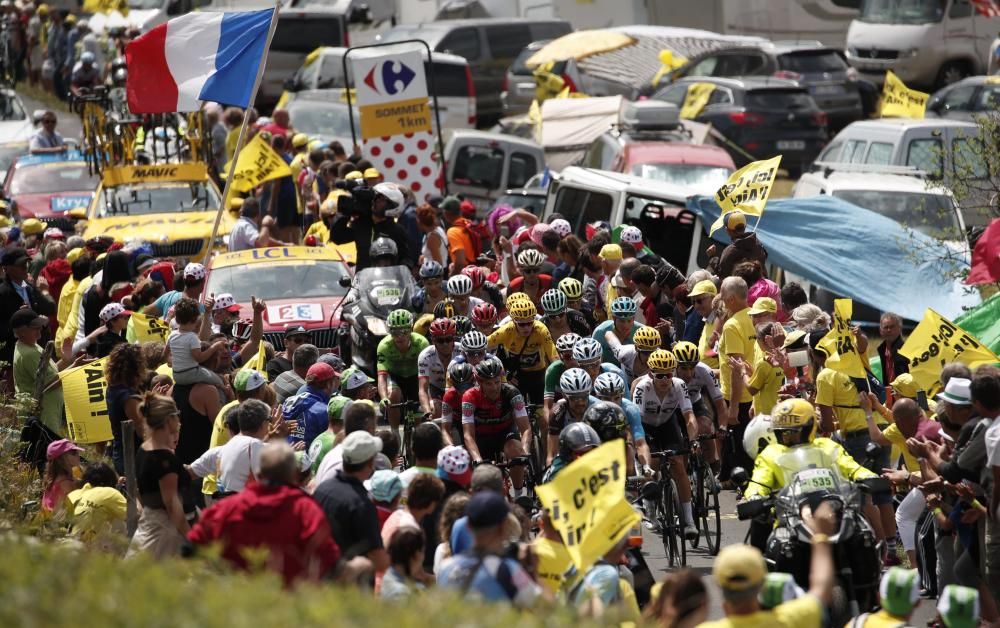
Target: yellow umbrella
<point>580,45</point>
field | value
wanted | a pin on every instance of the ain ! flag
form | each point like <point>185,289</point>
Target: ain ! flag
<point>747,190</point>
<point>839,345</point>
<point>936,341</point>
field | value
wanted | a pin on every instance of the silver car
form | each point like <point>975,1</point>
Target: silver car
<point>519,82</point>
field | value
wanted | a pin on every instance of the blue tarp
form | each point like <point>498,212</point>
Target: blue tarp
<point>854,252</point>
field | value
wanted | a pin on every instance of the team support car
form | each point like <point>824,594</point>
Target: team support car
<point>48,186</point>
<point>171,206</point>
<point>301,285</point>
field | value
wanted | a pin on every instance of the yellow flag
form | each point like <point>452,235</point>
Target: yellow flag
<point>936,341</point>
<point>747,190</point>
<point>257,163</point>
<point>899,101</point>
<point>670,62</point>
<point>149,328</point>
<point>696,98</point>
<point>838,343</point>
<point>105,6</point>
<point>84,391</point>
<point>587,503</point>
<point>258,361</point>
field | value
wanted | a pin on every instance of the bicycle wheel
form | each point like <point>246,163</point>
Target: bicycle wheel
<point>679,524</point>
<point>672,531</point>
<point>708,516</point>
<point>697,501</point>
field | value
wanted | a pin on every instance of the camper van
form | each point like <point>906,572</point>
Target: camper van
<point>926,43</point>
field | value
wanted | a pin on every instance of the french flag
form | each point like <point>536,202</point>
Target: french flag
<point>210,56</point>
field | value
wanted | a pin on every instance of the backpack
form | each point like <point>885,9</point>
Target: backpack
<point>480,237</point>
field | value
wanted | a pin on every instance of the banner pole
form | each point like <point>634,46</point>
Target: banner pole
<point>240,140</point>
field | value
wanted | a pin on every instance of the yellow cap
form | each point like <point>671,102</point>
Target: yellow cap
<point>372,173</point>
<point>43,9</point>
<point>763,305</point>
<point>71,19</point>
<point>739,568</point>
<point>4,221</point>
<point>299,140</point>
<point>74,254</point>
<point>32,226</point>
<point>705,286</point>
<point>905,386</point>
<point>235,203</point>
<point>355,174</point>
<point>734,219</point>
<point>611,252</point>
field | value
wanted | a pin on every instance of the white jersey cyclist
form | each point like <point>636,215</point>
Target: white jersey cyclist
<point>656,410</point>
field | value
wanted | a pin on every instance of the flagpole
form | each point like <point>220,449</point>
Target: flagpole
<point>223,207</point>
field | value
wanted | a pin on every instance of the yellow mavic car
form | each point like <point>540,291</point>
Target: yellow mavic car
<point>171,206</point>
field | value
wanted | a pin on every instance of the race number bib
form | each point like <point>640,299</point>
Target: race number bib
<point>816,480</point>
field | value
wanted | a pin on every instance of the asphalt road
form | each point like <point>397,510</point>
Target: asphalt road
<point>69,125</point>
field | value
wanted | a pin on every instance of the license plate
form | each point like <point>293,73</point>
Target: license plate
<point>791,144</point>
<point>827,89</point>
<point>66,203</point>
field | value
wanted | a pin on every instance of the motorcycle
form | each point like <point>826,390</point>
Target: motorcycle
<point>813,479</point>
<point>375,293</point>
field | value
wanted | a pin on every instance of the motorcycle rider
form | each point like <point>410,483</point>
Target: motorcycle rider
<point>575,440</point>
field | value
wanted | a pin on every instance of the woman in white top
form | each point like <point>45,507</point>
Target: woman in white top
<point>435,241</point>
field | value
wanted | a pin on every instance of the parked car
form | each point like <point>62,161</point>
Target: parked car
<point>322,115</point>
<point>519,83</point>
<point>652,143</point>
<point>759,117</point>
<point>529,198</point>
<point>481,166</point>
<point>966,99</point>
<point>489,45</point>
<point>820,69</point>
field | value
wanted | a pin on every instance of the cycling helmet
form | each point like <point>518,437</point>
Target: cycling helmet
<point>462,324</point>
<point>607,419</point>
<point>554,301</point>
<point>899,591</point>
<point>489,368</point>
<point>566,342</point>
<point>383,247</point>
<point>778,588</point>
<point>474,341</point>
<point>624,307</point>
<point>630,235</point>
<point>646,338</point>
<point>572,288</point>
<point>391,192</point>
<point>461,374</point>
<point>120,77</point>
<point>242,328</point>
<point>119,63</point>
<point>400,320</point>
<point>562,227</point>
<point>310,240</point>
<point>577,438</point>
<point>459,286</point>
<point>431,269</point>
<point>794,422</point>
<point>87,58</point>
<point>588,350</point>
<point>445,308</point>
<point>443,327</point>
<point>758,435</point>
<point>575,382</point>
<point>476,274</point>
<point>609,385</point>
<point>686,353</point>
<point>522,310</point>
<point>958,606</point>
<point>530,258</point>
<point>484,314</point>
<point>516,296</point>
<point>661,360</point>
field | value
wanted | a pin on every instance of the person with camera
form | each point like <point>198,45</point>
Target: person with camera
<point>362,217</point>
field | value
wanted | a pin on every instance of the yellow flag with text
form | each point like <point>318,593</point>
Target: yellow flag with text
<point>936,341</point>
<point>747,190</point>
<point>839,344</point>
<point>899,101</point>
<point>587,504</point>
<point>257,163</point>
<point>695,99</point>
<point>85,393</point>
<point>258,361</point>
<point>149,328</point>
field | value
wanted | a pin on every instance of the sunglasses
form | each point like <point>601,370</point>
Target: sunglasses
<point>578,397</point>
<point>298,339</point>
<point>590,365</point>
<point>524,323</point>
<point>625,318</point>
<point>662,375</point>
<point>557,314</point>
<point>474,354</point>
<point>399,334</point>
<point>432,282</point>
<point>611,398</point>
<point>48,121</point>
<point>445,340</point>
<point>530,271</point>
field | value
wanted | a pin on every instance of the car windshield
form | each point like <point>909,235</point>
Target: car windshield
<point>988,98</point>
<point>415,31</point>
<point>930,214</point>
<point>533,204</point>
<point>902,11</point>
<point>279,280</point>
<point>684,174</point>
<point>166,198</point>
<point>317,118</point>
<point>779,99</point>
<point>52,178</point>
<point>812,62</point>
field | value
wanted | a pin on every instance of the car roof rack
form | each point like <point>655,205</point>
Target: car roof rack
<point>829,167</point>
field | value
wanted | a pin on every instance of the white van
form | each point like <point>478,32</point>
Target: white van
<point>585,195</point>
<point>481,166</point>
<point>926,43</point>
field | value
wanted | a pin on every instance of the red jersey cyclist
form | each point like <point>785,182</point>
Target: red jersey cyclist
<point>431,365</point>
<point>461,377</point>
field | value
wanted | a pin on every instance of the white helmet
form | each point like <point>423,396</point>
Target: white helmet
<point>459,285</point>
<point>575,382</point>
<point>758,435</point>
<point>391,192</point>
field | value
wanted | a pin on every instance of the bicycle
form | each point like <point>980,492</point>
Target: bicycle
<point>663,492</point>
<point>528,500</point>
<point>705,499</point>
<point>538,443</point>
<point>412,415</point>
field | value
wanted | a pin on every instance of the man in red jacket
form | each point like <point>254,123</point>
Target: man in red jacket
<point>275,514</point>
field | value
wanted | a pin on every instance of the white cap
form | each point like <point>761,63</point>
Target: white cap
<point>194,271</point>
<point>360,447</point>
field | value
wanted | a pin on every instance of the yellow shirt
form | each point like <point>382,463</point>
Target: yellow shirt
<point>881,619</point>
<point>894,436</point>
<point>320,230</point>
<point>536,351</point>
<point>72,323</point>
<point>220,436</point>
<point>767,380</point>
<point>738,338</point>
<point>804,612</point>
<point>232,138</point>
<point>66,300</point>
<point>837,390</point>
<point>703,347</point>
<point>553,562</point>
<point>97,510</point>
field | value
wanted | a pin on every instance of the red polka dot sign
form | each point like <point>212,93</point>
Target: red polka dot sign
<point>407,160</point>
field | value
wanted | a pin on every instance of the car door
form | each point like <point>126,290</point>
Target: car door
<point>503,43</point>
<point>466,42</point>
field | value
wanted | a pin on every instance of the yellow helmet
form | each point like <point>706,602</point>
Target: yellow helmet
<point>517,296</point>
<point>572,288</point>
<point>686,352</point>
<point>646,338</point>
<point>522,310</point>
<point>662,360</point>
<point>794,422</point>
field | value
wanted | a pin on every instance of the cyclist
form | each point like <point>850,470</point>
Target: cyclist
<point>461,376</point>
<point>445,308</point>
<point>576,387</point>
<point>528,344</point>
<point>486,291</point>
<point>559,318</point>
<point>432,287</point>
<point>664,403</point>
<point>460,291</point>
<point>573,290</point>
<point>610,387</point>
<point>564,348</point>
<point>431,365</point>
<point>531,282</point>
<point>396,360</point>
<point>473,348</point>
<point>484,317</point>
<point>701,380</point>
<point>494,419</point>
<point>622,325</point>
<point>633,358</point>
<point>575,440</point>
<point>587,353</point>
